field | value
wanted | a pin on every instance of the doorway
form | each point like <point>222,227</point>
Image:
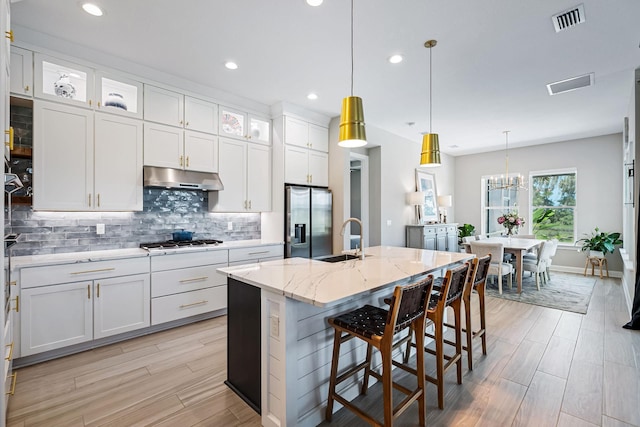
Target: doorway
<point>359,199</point>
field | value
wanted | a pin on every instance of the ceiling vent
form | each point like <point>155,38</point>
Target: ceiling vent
<point>570,84</point>
<point>569,18</point>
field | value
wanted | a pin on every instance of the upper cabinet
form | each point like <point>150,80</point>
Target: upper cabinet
<point>21,72</point>
<point>175,109</point>
<point>118,95</point>
<point>62,81</point>
<point>242,125</point>
<point>307,135</point>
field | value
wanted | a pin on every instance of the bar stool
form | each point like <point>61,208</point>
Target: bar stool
<point>447,293</point>
<point>476,280</point>
<point>377,326</point>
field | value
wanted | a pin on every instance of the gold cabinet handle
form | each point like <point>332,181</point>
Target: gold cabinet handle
<point>10,356</point>
<point>99,104</point>
<point>180,121</point>
<point>9,132</point>
<point>26,88</point>
<point>88,291</point>
<point>13,384</point>
<point>89,102</point>
<point>195,279</point>
<point>310,178</point>
<point>98,291</point>
<point>89,199</point>
<point>181,160</point>
<point>98,199</point>
<point>17,298</point>
<point>186,124</point>
<point>249,204</point>
<point>187,161</point>
<point>194,303</point>
<point>13,283</point>
<point>99,270</point>
<point>9,35</point>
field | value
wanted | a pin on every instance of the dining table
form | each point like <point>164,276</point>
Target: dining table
<point>518,247</point>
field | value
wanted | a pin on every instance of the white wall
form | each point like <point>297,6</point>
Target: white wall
<point>392,164</point>
<point>598,162</point>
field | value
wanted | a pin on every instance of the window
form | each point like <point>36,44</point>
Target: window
<point>553,205</point>
<point>496,203</point>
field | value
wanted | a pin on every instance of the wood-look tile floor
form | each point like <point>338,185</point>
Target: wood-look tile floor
<point>544,368</point>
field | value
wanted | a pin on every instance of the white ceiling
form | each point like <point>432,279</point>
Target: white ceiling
<point>490,67</point>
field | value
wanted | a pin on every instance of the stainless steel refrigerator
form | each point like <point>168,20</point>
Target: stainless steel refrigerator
<point>307,222</point>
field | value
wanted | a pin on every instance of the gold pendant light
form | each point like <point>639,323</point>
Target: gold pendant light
<point>352,133</point>
<point>430,155</point>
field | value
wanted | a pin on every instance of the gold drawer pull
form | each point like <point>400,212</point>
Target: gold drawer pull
<point>194,303</point>
<point>93,271</point>
<point>258,253</point>
<point>10,356</point>
<point>9,132</point>
<point>13,384</point>
<point>195,279</point>
<point>98,292</point>
<point>9,35</point>
<point>17,298</point>
<point>26,88</point>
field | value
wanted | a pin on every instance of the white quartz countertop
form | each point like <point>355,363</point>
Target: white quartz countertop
<point>18,262</point>
<point>322,283</point>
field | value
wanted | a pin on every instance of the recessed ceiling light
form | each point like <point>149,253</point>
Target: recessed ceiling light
<point>231,65</point>
<point>395,59</point>
<point>314,2</point>
<point>92,9</point>
<point>312,96</point>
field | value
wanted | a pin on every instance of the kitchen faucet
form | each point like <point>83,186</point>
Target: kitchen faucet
<point>344,225</point>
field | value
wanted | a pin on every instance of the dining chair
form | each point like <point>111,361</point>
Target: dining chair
<point>497,267</point>
<point>538,266</point>
<point>378,327</point>
<point>549,260</point>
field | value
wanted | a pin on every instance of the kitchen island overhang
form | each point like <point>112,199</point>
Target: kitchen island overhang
<point>287,303</point>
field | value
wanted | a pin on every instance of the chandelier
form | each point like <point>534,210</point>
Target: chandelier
<point>507,182</point>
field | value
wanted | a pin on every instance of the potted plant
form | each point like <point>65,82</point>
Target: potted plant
<point>465,230</point>
<point>599,243</point>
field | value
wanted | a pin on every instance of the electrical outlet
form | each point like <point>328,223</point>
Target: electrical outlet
<point>100,229</point>
<point>388,223</point>
<point>229,225</point>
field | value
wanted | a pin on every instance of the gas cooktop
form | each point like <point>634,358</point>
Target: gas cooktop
<point>175,244</point>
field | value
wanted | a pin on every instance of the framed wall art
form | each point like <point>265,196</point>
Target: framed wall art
<point>426,182</point>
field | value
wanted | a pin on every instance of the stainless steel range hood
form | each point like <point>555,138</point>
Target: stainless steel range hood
<point>178,178</point>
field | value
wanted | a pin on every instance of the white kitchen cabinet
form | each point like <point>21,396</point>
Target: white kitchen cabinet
<point>306,153</point>
<point>121,304</point>
<point>242,125</point>
<point>306,167</point>
<point>305,134</point>
<point>185,285</point>
<point>76,166</point>
<point>21,72</point>
<point>118,95</point>
<point>245,170</point>
<point>176,109</point>
<point>239,256</point>
<point>105,298</point>
<point>172,147</point>
<point>441,237</point>
<point>63,81</point>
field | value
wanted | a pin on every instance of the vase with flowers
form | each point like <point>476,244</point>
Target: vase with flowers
<point>510,221</point>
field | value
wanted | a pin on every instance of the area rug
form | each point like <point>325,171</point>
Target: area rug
<point>565,291</point>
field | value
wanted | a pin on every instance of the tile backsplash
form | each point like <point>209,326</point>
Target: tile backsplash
<point>164,212</point>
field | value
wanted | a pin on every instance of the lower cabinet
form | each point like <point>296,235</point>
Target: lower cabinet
<point>184,285</point>
<point>57,316</point>
<point>440,237</point>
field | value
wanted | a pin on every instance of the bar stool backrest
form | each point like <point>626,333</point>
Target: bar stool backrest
<point>453,285</point>
<point>408,303</point>
<point>478,272</point>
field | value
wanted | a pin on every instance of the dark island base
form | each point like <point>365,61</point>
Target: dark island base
<point>243,342</point>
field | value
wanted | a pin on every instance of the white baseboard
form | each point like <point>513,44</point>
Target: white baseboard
<point>580,270</point>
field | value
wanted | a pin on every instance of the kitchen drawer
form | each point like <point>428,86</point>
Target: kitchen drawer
<point>256,253</point>
<point>173,307</point>
<point>451,229</point>
<point>442,230</point>
<point>65,273</point>
<point>428,231</point>
<point>191,259</point>
<point>186,279</point>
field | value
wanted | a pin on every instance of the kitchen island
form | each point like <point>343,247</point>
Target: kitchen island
<point>279,343</point>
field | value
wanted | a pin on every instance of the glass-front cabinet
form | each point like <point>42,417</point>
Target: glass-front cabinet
<point>63,81</point>
<point>118,95</point>
<point>242,125</point>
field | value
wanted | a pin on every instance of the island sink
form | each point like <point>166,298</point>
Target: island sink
<point>337,258</point>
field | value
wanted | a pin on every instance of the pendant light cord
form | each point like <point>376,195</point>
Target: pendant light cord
<point>430,94</point>
<point>351,47</point>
